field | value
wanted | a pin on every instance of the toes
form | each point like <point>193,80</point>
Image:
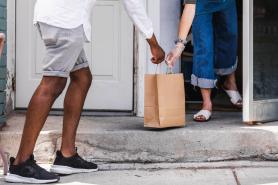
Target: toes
<point>239,103</point>
<point>200,118</point>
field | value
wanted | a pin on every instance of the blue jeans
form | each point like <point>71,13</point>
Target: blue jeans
<point>215,46</point>
<point>210,6</point>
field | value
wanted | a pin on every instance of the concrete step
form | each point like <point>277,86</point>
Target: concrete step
<point>124,140</point>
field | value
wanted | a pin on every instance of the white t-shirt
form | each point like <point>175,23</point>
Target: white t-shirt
<point>70,14</point>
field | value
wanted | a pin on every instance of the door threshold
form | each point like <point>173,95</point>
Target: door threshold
<point>96,113</point>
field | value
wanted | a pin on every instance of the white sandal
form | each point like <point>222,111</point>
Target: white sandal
<point>202,113</point>
<point>235,97</point>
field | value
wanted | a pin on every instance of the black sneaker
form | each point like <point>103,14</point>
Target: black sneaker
<point>29,172</point>
<point>71,165</point>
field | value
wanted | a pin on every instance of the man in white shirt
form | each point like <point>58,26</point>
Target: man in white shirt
<point>64,26</point>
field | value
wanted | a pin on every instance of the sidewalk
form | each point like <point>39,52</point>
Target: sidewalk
<point>128,154</point>
<point>124,140</point>
<point>220,173</point>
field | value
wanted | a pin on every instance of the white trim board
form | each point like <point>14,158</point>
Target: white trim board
<point>248,60</point>
<point>143,59</point>
<point>165,16</point>
<point>11,19</point>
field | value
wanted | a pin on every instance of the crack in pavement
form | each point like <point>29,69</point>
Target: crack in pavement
<point>236,177</point>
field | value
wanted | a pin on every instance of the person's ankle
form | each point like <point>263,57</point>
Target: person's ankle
<point>16,162</point>
<point>68,153</point>
<point>230,85</point>
<point>207,106</point>
<point>19,161</point>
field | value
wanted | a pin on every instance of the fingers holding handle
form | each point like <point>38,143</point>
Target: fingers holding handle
<point>170,60</point>
<point>174,55</point>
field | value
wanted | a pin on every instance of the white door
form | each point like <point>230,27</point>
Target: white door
<point>110,55</point>
<point>260,60</point>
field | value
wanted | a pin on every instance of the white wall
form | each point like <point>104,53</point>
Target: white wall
<point>165,15</point>
<point>169,21</point>
<point>143,54</point>
<point>10,54</point>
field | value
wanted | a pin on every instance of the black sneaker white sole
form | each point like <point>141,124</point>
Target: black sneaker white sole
<point>66,170</point>
<point>19,179</point>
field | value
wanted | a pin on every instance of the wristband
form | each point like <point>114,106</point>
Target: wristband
<point>184,42</point>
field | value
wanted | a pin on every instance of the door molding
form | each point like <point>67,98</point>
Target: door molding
<point>248,61</point>
<point>11,55</point>
<point>143,55</point>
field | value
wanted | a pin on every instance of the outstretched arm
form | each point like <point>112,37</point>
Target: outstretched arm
<point>184,28</point>
<point>136,11</point>
<point>187,19</point>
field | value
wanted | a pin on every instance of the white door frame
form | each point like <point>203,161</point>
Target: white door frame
<point>11,18</point>
<point>247,60</point>
<point>253,111</point>
<point>143,55</point>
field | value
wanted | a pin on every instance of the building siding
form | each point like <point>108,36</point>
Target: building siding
<point>3,62</point>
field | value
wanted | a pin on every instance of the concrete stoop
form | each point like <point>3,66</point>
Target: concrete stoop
<point>124,140</point>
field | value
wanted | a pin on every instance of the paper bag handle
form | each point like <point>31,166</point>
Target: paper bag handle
<point>156,69</point>
<point>168,71</point>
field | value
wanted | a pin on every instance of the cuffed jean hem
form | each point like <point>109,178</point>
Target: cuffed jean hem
<point>55,74</point>
<point>226,71</point>
<point>80,66</point>
<point>203,82</point>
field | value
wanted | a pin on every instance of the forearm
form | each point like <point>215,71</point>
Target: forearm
<point>186,20</point>
<point>184,28</point>
<point>153,41</point>
<point>137,13</point>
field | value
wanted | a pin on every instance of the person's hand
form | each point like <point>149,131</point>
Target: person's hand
<point>158,54</point>
<point>174,55</point>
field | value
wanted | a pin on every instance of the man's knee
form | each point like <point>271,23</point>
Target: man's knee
<point>53,86</point>
<point>83,77</point>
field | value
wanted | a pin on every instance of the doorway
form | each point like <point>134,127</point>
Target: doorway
<point>258,64</point>
<point>260,48</point>
<point>221,101</point>
<point>110,57</point>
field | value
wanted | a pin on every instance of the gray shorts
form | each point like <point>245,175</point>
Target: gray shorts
<point>64,50</point>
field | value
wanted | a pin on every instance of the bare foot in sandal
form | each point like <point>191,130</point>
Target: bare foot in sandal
<point>204,115</point>
<point>231,90</point>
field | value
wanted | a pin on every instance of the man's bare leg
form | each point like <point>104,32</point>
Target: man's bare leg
<point>40,105</point>
<point>75,97</point>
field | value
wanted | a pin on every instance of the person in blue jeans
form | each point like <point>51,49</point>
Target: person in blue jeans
<point>215,38</point>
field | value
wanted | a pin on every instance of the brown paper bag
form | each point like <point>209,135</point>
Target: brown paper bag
<point>164,101</point>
